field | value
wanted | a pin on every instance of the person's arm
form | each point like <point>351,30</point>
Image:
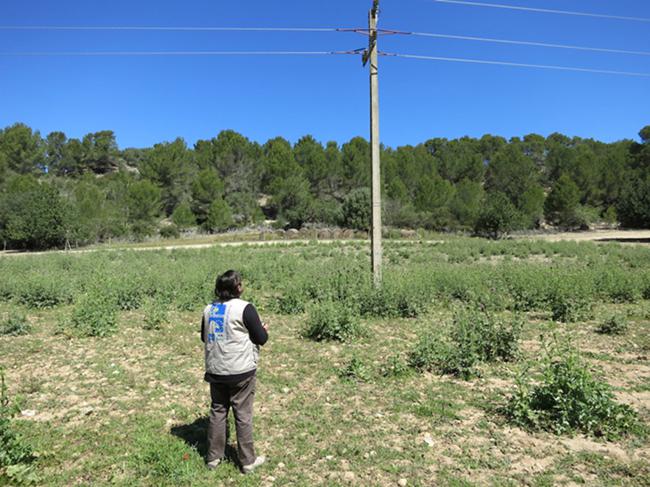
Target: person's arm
<point>256,330</point>
<point>203,329</point>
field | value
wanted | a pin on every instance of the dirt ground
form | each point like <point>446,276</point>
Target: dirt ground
<point>623,236</point>
<point>638,237</point>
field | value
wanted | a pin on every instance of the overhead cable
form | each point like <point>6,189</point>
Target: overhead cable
<point>543,10</point>
<point>173,53</point>
<point>171,28</point>
<point>519,65</point>
<point>326,29</point>
<point>528,43</point>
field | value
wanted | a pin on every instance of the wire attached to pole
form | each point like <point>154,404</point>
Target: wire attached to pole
<point>544,10</point>
<point>519,65</point>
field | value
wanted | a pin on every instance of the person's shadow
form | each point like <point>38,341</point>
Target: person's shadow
<point>195,435</point>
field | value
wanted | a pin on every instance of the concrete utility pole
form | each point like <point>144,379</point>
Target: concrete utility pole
<point>372,56</point>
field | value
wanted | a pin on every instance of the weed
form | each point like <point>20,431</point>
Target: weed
<point>429,351</point>
<point>94,314</point>
<point>155,314</point>
<point>292,302</point>
<point>476,336</point>
<point>355,370</point>
<point>15,453</point>
<point>14,324</point>
<point>528,288</point>
<point>619,285</point>
<point>568,398</point>
<point>42,292</point>
<point>571,301</point>
<point>128,293</point>
<point>332,321</point>
<point>616,324</point>
<point>395,366</point>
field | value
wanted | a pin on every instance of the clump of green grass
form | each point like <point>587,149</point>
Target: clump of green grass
<point>394,366</point>
<point>476,336</point>
<point>568,398</point>
<point>615,324</point>
<point>355,371</point>
<point>15,323</point>
<point>332,321</point>
<point>15,453</point>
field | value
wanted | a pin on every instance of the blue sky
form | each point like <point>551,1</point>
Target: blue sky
<point>146,100</point>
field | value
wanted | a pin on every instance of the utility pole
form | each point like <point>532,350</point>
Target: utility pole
<point>372,55</point>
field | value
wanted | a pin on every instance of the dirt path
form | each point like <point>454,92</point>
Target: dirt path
<point>623,236</point>
<point>631,236</point>
<point>256,243</point>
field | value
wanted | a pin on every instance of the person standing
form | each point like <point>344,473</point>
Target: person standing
<point>232,333</point>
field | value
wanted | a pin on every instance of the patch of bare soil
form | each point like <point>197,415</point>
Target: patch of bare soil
<point>623,236</point>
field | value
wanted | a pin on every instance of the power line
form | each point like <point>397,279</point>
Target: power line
<point>321,29</point>
<point>170,28</point>
<point>543,10</point>
<point>528,43</point>
<point>310,53</point>
<point>519,65</point>
<point>172,53</point>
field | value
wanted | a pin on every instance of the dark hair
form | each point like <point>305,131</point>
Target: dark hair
<point>227,284</point>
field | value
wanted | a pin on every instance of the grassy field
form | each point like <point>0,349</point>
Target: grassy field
<point>102,354</point>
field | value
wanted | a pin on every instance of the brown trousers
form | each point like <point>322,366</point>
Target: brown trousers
<point>240,396</point>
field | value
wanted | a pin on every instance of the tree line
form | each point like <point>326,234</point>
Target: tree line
<point>57,191</point>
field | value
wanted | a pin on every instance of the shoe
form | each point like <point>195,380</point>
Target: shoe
<point>258,461</point>
<point>213,464</point>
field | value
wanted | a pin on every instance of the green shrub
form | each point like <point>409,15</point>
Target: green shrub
<point>15,323</point>
<point>619,286</point>
<point>13,449</point>
<point>191,295</point>
<point>128,292</point>
<point>292,302</point>
<point>355,210</point>
<point>645,285</point>
<point>528,288</point>
<point>94,314</point>
<point>170,231</point>
<point>332,321</point>
<point>497,217</point>
<point>568,399</point>
<point>492,338</point>
<point>155,314</point>
<point>570,300</point>
<point>392,300</point>
<point>614,325</point>
<point>429,351</point>
<point>43,292</point>
<point>183,217</point>
<point>476,336</point>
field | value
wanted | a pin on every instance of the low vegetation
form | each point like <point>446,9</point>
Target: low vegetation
<point>15,453</point>
<point>14,323</point>
<point>475,337</point>
<point>569,398</point>
<point>441,376</point>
